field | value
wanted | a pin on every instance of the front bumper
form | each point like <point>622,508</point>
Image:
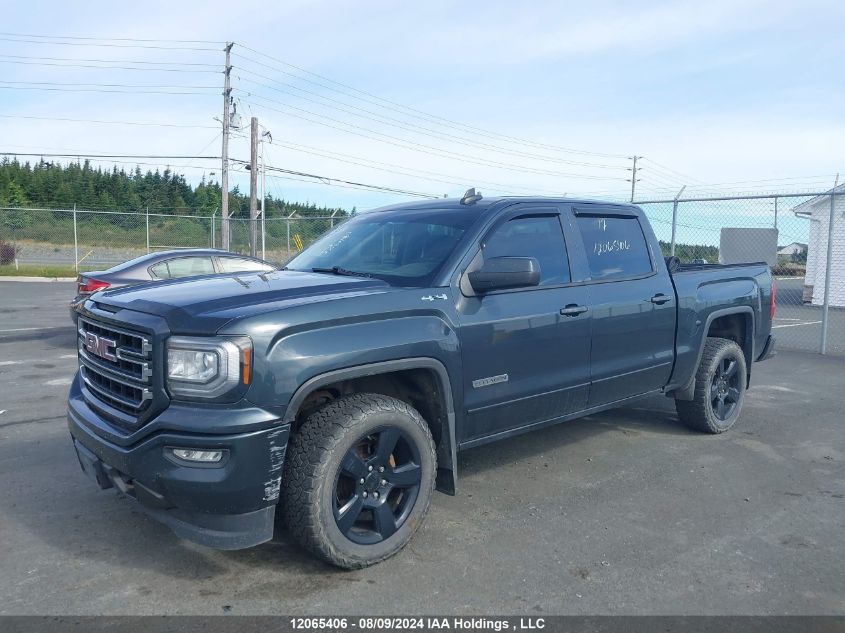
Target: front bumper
<point>228,505</point>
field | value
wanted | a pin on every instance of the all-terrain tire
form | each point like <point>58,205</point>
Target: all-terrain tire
<point>704,412</point>
<point>315,457</point>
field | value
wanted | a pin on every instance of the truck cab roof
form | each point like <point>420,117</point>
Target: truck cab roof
<point>491,205</point>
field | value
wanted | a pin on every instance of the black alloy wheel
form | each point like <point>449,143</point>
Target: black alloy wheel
<point>725,388</point>
<point>376,486</point>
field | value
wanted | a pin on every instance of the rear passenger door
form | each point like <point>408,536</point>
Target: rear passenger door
<point>633,305</point>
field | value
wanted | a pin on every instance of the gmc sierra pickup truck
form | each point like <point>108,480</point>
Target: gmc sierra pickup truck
<point>338,390</point>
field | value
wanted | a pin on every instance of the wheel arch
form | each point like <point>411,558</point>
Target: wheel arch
<point>736,324</point>
<point>388,374</point>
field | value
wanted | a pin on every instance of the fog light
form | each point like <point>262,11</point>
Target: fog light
<point>197,455</point>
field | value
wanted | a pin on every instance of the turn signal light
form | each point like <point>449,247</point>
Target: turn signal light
<point>246,365</point>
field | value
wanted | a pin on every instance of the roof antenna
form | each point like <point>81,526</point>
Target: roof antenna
<point>470,197</point>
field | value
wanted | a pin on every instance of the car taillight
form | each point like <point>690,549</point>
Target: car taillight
<point>772,305</point>
<point>87,285</point>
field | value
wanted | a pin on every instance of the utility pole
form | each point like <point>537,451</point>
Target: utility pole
<point>633,171</point>
<point>253,185</point>
<point>224,175</point>
<point>263,198</point>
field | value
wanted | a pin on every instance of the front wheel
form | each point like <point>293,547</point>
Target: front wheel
<point>358,479</point>
<point>720,384</point>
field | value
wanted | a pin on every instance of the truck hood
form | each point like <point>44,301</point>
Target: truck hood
<point>201,305</point>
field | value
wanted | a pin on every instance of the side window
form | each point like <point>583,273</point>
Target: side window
<point>188,267</point>
<point>539,237</point>
<point>238,265</point>
<point>159,271</point>
<point>615,246</point>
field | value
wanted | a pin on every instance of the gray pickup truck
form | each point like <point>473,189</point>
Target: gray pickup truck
<point>338,390</point>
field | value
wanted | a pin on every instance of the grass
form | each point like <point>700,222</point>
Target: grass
<point>36,270</point>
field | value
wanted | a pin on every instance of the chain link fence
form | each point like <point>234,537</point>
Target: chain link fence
<point>791,232</point>
<point>77,239</point>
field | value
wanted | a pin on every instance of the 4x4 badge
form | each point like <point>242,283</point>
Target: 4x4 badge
<point>432,298</point>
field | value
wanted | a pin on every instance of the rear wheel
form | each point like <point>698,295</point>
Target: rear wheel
<point>720,384</point>
<point>358,479</point>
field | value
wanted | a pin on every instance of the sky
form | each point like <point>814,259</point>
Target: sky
<point>432,98</point>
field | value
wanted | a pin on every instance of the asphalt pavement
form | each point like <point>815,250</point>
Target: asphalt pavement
<point>626,512</point>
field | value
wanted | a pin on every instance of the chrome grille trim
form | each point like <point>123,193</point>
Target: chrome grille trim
<point>122,380</point>
<point>144,345</point>
<point>130,381</point>
<point>110,395</point>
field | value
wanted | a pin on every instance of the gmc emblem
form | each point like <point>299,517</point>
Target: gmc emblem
<point>100,346</point>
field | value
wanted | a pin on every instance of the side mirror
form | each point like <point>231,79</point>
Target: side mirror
<point>505,272</point>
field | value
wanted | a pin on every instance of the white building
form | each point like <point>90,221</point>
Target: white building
<point>796,248</point>
<point>817,211</point>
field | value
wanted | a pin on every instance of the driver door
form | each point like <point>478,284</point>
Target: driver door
<point>525,361</point>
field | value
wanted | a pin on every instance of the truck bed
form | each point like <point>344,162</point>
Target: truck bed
<point>703,291</point>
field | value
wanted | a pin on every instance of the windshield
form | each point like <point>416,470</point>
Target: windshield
<point>404,248</point>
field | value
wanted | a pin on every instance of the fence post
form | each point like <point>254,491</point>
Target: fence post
<point>147,216</point>
<point>212,227</point>
<point>675,219</point>
<point>776,212</point>
<point>288,223</point>
<point>826,304</point>
<point>75,241</point>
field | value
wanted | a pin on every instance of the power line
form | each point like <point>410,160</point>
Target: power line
<point>730,187</point>
<point>105,91</point>
<point>60,65</point>
<point>415,146</point>
<point>105,88</point>
<point>111,45</point>
<point>116,61</point>
<point>84,155</point>
<point>408,110</point>
<point>98,85</point>
<point>205,147</point>
<point>685,178</point>
<point>424,131</point>
<point>110,39</point>
<point>329,180</point>
<point>273,178</point>
<point>391,168</point>
<point>100,121</point>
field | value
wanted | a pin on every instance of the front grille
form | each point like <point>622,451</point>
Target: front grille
<point>116,367</point>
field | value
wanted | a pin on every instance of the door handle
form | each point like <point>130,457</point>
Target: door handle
<point>573,310</point>
<point>660,299</point>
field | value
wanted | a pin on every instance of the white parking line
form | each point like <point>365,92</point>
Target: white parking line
<point>10,362</point>
<point>796,324</point>
<point>58,382</point>
<point>29,329</point>
<point>68,356</point>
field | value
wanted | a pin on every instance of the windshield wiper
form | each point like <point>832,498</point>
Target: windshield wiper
<point>337,270</point>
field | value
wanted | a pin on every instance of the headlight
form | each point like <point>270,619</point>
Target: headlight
<point>207,367</point>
